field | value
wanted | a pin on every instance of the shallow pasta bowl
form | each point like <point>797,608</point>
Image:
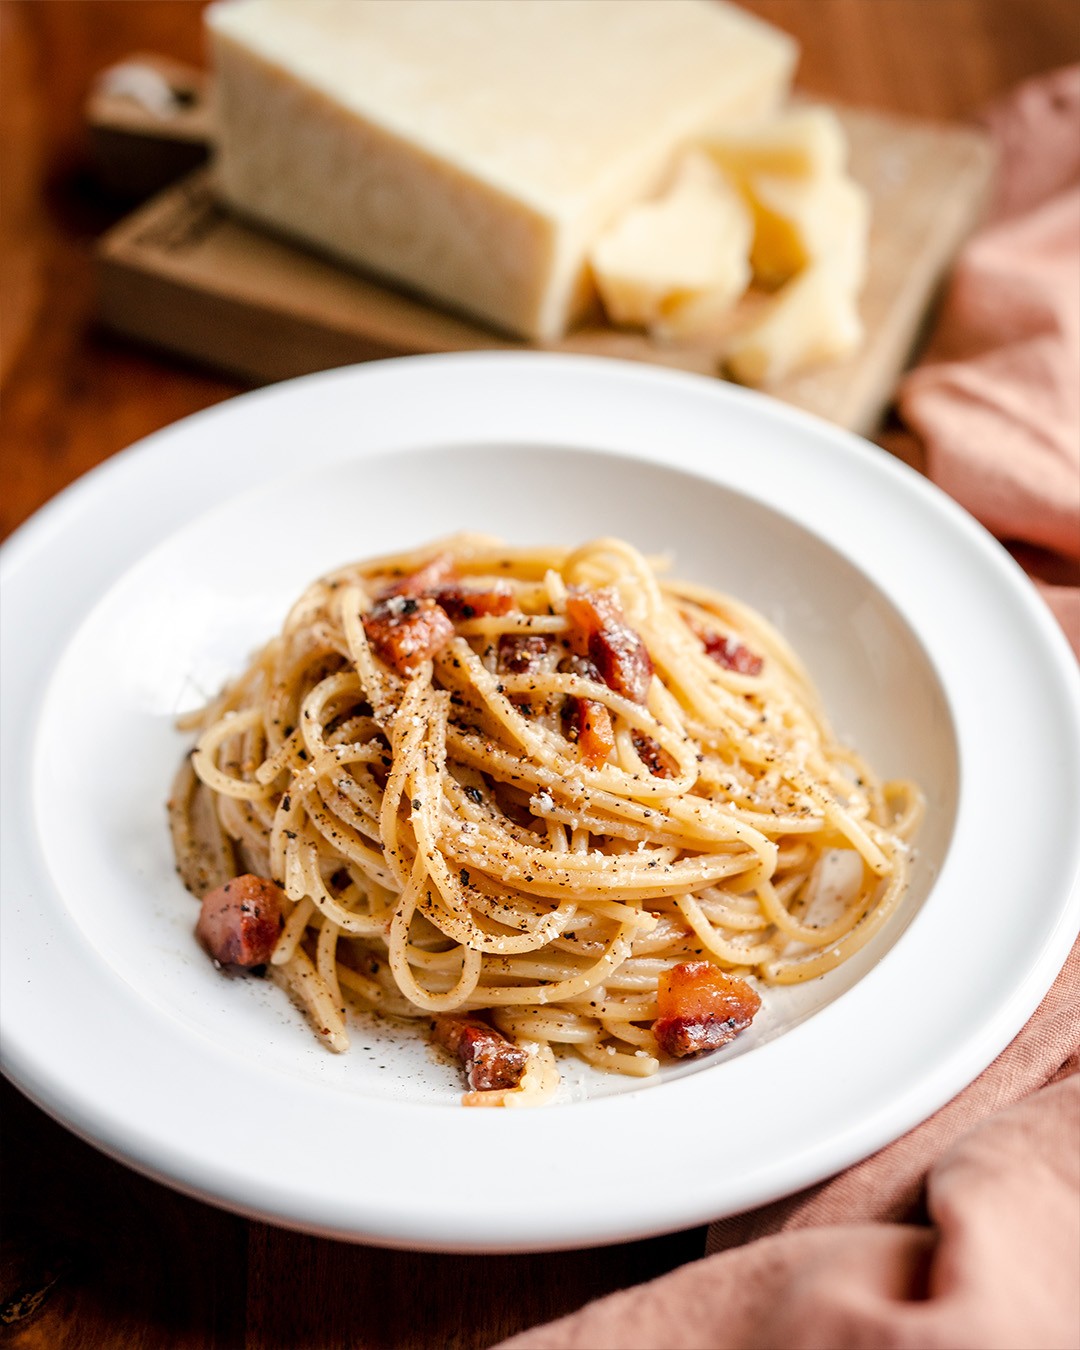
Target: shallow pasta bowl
<point>136,593</point>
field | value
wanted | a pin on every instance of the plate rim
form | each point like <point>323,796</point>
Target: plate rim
<point>291,1206</point>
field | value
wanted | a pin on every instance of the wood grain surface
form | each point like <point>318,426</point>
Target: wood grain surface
<point>94,1255</point>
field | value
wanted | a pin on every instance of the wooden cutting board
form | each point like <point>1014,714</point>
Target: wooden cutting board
<point>185,276</point>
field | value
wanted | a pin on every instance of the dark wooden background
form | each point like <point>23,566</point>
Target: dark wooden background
<point>93,1255</point>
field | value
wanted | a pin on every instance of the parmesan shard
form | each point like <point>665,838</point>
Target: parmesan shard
<point>814,318</point>
<point>800,221</point>
<point>811,239</point>
<point>473,151</point>
<point>676,263</point>
<point>801,142</point>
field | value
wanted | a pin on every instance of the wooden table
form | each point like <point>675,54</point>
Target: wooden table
<point>94,1255</point>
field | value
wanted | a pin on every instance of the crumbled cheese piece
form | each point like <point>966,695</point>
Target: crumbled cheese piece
<point>813,318</point>
<point>798,222</point>
<point>677,263</point>
<point>802,142</point>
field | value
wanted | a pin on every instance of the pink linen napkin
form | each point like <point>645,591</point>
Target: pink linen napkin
<point>993,1267</point>
<point>965,1233</point>
<point>996,399</point>
<point>962,1235</point>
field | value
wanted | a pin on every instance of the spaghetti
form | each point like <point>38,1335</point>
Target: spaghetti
<point>532,789</point>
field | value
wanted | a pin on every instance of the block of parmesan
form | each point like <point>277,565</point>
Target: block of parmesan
<point>472,150</point>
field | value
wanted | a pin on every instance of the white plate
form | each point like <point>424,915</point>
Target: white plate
<point>141,588</point>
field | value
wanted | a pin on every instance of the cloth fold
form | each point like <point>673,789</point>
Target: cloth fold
<point>990,1270</point>
<point>995,401</point>
<point>889,1186</point>
<point>965,1233</point>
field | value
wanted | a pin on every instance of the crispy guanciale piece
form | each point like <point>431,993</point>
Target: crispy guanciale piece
<point>657,760</point>
<point>731,654</point>
<point>241,921</point>
<point>598,629</point>
<point>405,630</point>
<point>522,653</point>
<point>437,572</point>
<point>489,1059</point>
<point>585,720</point>
<point>591,728</point>
<point>701,1008</point>
<point>462,602</point>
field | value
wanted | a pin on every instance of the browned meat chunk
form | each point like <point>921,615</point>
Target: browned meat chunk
<point>701,1008</point>
<point>623,661</point>
<point>488,1058</point>
<point>658,762</point>
<point>585,720</point>
<point>438,580</point>
<point>241,921</point>
<point>590,726</point>
<point>523,653</point>
<point>460,602</point>
<point>731,654</point>
<point>405,630</point>
<point>592,610</point>
<point>599,629</point>
<point>437,572</point>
